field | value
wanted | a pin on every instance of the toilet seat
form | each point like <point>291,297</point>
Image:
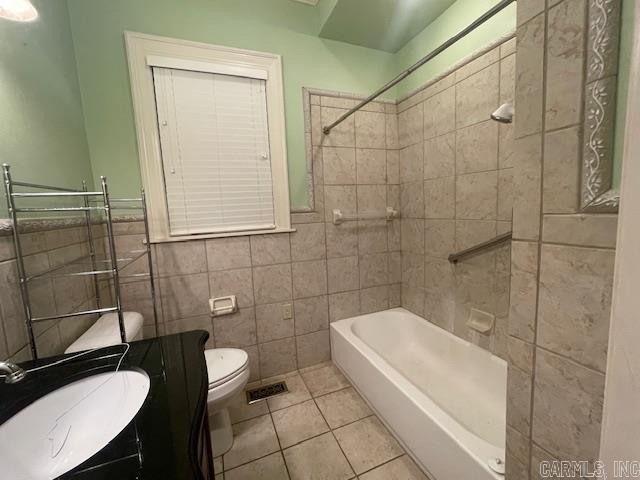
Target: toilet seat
<point>225,364</point>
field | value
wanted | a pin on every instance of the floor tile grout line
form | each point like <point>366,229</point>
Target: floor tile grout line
<point>281,451</point>
<point>330,430</point>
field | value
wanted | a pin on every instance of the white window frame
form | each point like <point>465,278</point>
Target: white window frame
<point>145,50</point>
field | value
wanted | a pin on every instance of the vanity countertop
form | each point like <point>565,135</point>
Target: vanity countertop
<point>162,442</point>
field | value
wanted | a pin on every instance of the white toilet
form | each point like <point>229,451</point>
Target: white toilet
<point>228,370</point>
<point>106,331</point>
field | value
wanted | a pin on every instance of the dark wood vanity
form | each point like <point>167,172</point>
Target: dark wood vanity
<point>169,437</point>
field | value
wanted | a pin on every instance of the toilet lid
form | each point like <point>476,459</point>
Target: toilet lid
<point>224,364</point>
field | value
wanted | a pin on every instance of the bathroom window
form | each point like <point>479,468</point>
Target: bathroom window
<point>210,123</point>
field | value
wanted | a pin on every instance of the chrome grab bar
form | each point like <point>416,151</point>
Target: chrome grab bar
<point>339,217</point>
<point>505,237</point>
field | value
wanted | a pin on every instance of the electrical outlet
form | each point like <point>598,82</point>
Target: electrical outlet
<point>287,312</point>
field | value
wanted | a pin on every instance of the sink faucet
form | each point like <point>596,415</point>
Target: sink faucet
<point>12,372</point>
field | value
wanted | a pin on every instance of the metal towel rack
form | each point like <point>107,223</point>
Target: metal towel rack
<point>86,264</point>
<point>479,21</point>
<point>505,237</point>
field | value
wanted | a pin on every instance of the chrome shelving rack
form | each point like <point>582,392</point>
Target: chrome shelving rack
<point>92,201</point>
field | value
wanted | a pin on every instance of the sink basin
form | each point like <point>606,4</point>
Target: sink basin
<point>61,430</point>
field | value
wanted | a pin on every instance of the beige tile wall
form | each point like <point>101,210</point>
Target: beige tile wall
<point>322,271</point>
<point>456,174</point>
<point>49,296</point>
<point>562,261</point>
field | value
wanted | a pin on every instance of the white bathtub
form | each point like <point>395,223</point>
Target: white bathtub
<point>443,397</point>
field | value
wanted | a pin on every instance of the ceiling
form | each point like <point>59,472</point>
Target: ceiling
<point>381,24</point>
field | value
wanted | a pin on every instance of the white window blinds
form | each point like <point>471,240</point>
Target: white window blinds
<point>215,151</point>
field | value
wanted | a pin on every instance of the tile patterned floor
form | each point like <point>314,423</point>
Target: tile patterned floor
<point>321,430</point>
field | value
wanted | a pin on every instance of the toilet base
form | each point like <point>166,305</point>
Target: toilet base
<point>221,432</point>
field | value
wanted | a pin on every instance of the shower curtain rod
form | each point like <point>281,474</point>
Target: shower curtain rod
<point>479,21</point>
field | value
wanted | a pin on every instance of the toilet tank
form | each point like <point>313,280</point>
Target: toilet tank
<point>106,332</point>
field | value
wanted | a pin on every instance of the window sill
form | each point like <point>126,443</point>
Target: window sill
<point>186,238</point>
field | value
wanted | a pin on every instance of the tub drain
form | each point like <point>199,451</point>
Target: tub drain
<point>497,465</point>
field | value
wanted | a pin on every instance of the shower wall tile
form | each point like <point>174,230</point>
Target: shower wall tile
<point>374,270</point>
<point>527,178</point>
<point>374,299</point>
<point>393,167</point>
<point>529,76</point>
<point>508,48</point>
<point>439,237</point>
<point>480,63</point>
<point>311,314</point>
<point>440,113</point>
<point>391,131</point>
<point>341,197</point>
<point>519,385</point>
<point>477,148</point>
<point>343,135</point>
<point>517,455</point>
<point>580,229</point>
<point>313,348</point>
<point>372,236</point>
<point>527,9</point>
<point>472,108</point>
<point>476,196</point>
<point>565,63</point>
<point>372,200</point>
<point>412,236</point>
<point>342,240</point>
<point>370,130</point>
<point>567,410</point>
<point>524,290</point>
<point>412,199</point>
<point>561,190</point>
<point>308,242</point>
<point>411,163</point>
<point>506,194</point>
<point>343,274</point>
<point>440,156</point>
<point>309,278</point>
<point>575,303</point>
<point>339,165</point>
<point>520,354</point>
<point>410,125</point>
<point>439,198</point>
<point>371,166</point>
<point>344,305</point>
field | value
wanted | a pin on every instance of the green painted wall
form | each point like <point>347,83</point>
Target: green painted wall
<point>453,20</point>
<point>279,26</point>
<point>626,42</point>
<point>42,132</point>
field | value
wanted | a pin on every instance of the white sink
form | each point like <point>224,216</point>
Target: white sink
<point>61,430</point>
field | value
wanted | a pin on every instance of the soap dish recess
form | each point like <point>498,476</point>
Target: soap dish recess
<point>481,321</point>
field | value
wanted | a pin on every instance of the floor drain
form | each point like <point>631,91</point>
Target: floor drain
<point>262,393</point>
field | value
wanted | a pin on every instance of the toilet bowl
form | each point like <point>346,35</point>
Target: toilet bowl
<point>228,371</point>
